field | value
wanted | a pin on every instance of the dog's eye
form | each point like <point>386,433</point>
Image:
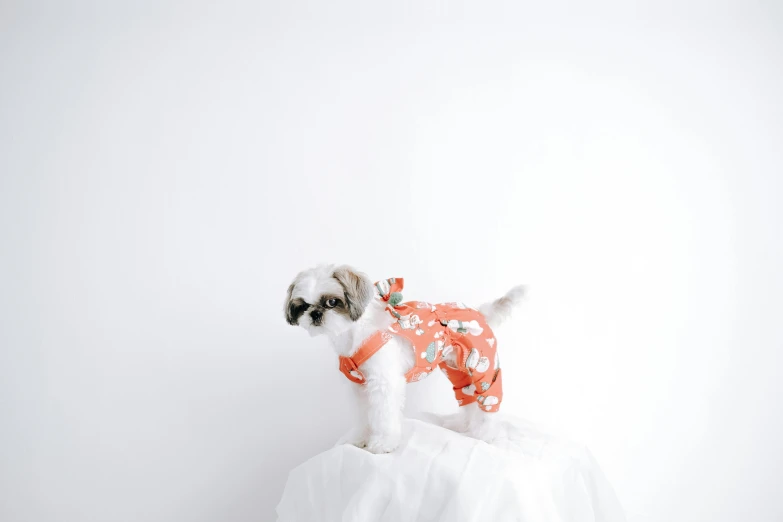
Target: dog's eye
<point>331,303</point>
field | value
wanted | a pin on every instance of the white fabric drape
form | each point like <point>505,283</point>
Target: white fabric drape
<point>438,475</point>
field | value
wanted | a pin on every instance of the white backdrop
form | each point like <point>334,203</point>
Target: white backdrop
<point>166,171</point>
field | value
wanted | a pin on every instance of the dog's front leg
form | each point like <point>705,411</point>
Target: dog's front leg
<point>358,435</point>
<point>384,397</point>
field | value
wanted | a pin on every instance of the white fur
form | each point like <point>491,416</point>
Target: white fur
<point>500,309</point>
<point>382,396</point>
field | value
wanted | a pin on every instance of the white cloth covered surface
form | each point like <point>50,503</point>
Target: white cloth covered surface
<point>438,475</point>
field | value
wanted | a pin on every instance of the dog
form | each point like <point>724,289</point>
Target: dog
<point>384,343</point>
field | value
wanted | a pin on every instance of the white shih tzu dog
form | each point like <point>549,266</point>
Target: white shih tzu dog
<point>384,343</point>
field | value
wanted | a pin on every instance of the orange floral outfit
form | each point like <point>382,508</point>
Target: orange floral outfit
<point>435,330</point>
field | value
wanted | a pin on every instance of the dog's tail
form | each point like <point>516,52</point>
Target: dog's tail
<point>499,310</point>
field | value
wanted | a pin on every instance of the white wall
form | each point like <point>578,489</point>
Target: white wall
<point>166,171</point>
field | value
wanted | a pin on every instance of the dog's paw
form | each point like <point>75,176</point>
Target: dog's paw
<point>382,445</point>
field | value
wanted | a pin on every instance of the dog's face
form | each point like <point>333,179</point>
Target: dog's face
<point>327,299</point>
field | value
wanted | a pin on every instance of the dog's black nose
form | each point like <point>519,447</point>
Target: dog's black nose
<point>316,316</point>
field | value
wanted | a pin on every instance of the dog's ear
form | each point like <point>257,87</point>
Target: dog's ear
<point>357,289</point>
<point>291,314</point>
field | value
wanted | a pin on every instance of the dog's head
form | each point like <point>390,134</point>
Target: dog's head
<point>327,299</point>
